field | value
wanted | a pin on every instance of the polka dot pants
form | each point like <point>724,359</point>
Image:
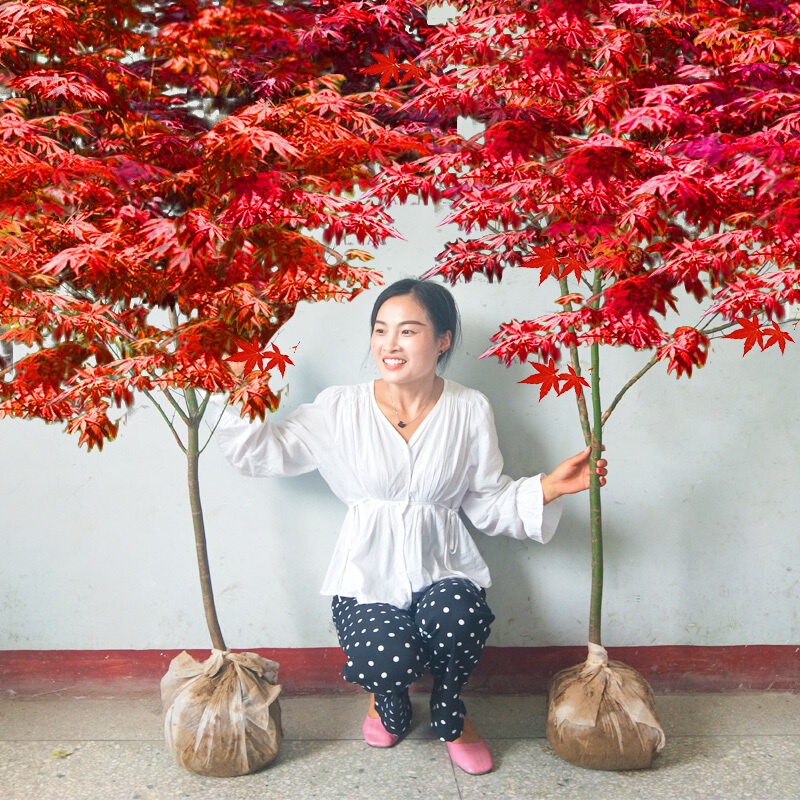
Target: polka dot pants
<point>388,648</point>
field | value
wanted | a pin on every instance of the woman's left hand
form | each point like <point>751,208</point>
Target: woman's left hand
<point>572,476</point>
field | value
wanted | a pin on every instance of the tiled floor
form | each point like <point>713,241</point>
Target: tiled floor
<point>64,746</point>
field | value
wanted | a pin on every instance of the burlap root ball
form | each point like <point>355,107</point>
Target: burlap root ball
<point>601,715</point>
<point>221,716</point>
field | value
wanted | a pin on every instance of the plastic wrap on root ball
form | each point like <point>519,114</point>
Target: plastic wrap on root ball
<point>221,716</point>
<point>601,715</point>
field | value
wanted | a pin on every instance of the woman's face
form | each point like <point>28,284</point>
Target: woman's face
<point>405,345</point>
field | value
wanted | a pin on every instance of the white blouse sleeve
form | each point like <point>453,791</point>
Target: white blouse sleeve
<point>268,449</point>
<point>495,503</point>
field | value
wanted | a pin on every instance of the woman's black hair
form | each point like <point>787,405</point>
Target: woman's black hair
<point>438,303</point>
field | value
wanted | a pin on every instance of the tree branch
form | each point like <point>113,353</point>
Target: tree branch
<point>620,394</point>
<point>583,411</point>
<point>177,406</point>
<point>147,393</point>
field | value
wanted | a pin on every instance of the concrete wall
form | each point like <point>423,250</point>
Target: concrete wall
<point>701,509</point>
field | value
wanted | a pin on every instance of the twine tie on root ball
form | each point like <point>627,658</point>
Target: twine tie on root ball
<point>601,715</point>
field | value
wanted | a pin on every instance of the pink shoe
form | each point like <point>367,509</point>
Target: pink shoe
<point>375,735</point>
<point>473,758</point>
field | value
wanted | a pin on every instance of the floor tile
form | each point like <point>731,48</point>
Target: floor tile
<point>57,717</point>
<point>691,768</point>
<point>94,747</point>
<point>334,770</point>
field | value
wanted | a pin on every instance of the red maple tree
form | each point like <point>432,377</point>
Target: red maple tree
<point>644,158</point>
<point>630,152</point>
<point>175,177</point>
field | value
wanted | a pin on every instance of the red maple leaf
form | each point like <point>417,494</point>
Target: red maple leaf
<point>544,259</point>
<point>688,349</point>
<point>386,66</point>
<point>776,335</point>
<point>546,376</point>
<point>570,264</point>
<point>550,263</point>
<point>277,359</point>
<point>253,356</point>
<point>571,380</point>
<point>750,331</point>
<point>412,71</point>
<point>249,353</point>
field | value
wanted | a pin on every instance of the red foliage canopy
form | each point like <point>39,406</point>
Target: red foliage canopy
<point>176,177</point>
<point>629,152</point>
<point>199,159</point>
<point>643,156</point>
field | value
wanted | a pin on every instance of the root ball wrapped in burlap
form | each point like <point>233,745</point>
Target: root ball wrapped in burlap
<point>221,716</point>
<point>601,715</point>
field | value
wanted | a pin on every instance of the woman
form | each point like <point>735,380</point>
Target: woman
<point>406,453</point>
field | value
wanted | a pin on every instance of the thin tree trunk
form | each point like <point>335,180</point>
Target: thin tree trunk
<point>198,523</point>
<point>595,507</point>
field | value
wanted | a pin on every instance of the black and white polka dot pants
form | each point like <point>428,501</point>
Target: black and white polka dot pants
<point>388,648</point>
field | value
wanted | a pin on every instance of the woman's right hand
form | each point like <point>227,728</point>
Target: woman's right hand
<point>572,476</point>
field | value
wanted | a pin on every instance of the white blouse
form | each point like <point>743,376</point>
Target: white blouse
<point>402,531</point>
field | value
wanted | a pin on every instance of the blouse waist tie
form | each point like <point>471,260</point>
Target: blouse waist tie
<point>446,520</point>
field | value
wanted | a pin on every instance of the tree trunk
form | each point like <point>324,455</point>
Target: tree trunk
<point>595,506</point>
<point>198,523</point>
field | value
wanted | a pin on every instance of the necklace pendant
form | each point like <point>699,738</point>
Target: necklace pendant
<point>401,424</point>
